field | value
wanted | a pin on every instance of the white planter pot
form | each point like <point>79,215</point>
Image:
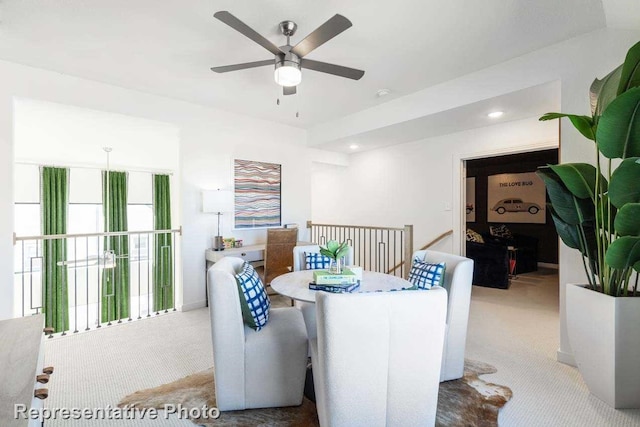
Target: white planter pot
<point>604,333</point>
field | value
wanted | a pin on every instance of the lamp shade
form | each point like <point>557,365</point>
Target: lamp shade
<point>217,201</point>
<point>288,74</point>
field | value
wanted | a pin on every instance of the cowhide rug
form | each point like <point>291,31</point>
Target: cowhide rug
<point>469,401</point>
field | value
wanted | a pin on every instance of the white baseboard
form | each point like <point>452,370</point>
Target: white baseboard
<point>566,358</point>
<point>193,306</point>
<point>548,265</point>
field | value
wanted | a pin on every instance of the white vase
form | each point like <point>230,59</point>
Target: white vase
<point>604,334</point>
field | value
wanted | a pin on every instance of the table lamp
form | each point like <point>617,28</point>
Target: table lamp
<point>217,201</point>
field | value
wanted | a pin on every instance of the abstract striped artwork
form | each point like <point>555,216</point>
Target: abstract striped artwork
<point>257,194</point>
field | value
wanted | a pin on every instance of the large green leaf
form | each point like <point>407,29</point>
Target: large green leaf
<point>623,252</point>
<point>630,76</point>
<point>568,232</point>
<point>584,124</point>
<point>627,222</point>
<point>625,183</point>
<point>618,134</point>
<point>602,92</point>
<point>343,250</point>
<point>569,208</point>
<point>579,178</point>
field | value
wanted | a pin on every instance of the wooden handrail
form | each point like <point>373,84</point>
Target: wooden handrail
<point>427,246</point>
<point>361,227</point>
<point>436,240</point>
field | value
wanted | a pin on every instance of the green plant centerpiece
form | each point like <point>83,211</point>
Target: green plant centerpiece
<point>596,210</point>
<point>336,252</point>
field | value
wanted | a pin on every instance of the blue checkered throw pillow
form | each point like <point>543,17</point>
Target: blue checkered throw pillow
<point>316,261</point>
<point>254,300</point>
<point>425,275</point>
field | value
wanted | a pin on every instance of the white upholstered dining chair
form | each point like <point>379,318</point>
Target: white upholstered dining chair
<point>376,359</point>
<point>458,279</point>
<point>253,369</point>
<point>300,263</point>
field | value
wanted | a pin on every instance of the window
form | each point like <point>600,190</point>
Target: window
<point>27,223</point>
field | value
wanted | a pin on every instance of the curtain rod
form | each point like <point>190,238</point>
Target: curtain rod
<point>96,167</point>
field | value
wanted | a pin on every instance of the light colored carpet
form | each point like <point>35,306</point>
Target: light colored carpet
<point>467,402</point>
<point>515,330</point>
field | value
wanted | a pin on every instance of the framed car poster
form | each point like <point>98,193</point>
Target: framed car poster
<point>516,197</point>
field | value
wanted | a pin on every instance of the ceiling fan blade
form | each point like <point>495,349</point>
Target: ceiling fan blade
<point>336,70</point>
<point>236,67</point>
<point>288,90</point>
<point>322,34</point>
<point>247,31</point>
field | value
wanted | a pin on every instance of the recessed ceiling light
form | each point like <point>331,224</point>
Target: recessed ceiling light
<point>382,92</point>
<point>495,114</point>
<point>354,146</point>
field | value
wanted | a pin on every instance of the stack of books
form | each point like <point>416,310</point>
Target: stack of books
<point>323,280</point>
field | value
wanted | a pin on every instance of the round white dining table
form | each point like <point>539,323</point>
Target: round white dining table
<point>295,285</point>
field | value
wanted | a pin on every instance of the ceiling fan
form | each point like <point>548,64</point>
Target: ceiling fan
<point>289,60</point>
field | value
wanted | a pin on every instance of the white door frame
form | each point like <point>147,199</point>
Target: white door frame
<point>460,188</point>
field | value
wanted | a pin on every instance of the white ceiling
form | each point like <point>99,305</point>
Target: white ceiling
<point>531,102</point>
<point>167,47</point>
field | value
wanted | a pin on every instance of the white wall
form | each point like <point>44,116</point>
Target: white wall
<point>575,63</point>
<point>418,182</point>
<point>209,140</point>
<point>58,134</point>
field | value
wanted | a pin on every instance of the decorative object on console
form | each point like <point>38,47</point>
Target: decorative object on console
<point>335,252</point>
<point>516,197</point>
<point>257,194</point>
<point>229,242</point>
<point>217,201</point>
<point>585,199</point>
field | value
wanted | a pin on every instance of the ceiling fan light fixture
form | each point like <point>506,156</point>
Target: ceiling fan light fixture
<point>288,73</point>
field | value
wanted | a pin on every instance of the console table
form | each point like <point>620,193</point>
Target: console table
<point>253,254</point>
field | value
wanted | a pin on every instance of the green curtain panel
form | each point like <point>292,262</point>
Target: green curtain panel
<point>115,281</point>
<point>54,201</point>
<point>162,247</point>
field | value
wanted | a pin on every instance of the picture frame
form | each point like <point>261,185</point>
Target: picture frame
<point>516,198</point>
<point>257,194</point>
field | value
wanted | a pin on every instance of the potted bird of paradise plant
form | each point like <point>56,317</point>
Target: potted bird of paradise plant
<point>596,210</point>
